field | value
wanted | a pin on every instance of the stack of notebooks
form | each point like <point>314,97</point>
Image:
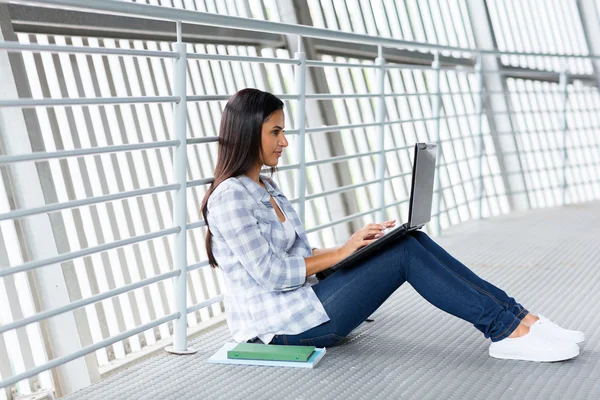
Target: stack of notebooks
<point>268,354</point>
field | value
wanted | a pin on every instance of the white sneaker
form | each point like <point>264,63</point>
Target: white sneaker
<point>534,346</point>
<point>549,328</point>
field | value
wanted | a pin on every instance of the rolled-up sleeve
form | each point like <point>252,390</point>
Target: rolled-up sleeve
<point>231,215</point>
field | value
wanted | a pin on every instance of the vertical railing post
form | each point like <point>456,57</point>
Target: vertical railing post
<point>180,202</point>
<point>300,76</point>
<point>437,103</point>
<point>380,61</point>
<point>480,145</point>
<point>564,82</point>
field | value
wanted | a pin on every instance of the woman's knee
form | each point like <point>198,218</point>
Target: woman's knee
<point>410,241</point>
<point>418,234</point>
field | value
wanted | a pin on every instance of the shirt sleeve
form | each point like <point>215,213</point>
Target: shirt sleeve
<point>230,215</point>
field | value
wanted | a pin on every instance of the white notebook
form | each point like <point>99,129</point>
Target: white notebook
<point>220,357</point>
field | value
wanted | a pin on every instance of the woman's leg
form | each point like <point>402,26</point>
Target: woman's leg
<point>351,295</point>
<point>469,276</point>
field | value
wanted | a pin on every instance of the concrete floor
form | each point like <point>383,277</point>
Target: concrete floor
<point>547,259</point>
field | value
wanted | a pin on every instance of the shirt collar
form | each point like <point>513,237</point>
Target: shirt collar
<point>257,192</point>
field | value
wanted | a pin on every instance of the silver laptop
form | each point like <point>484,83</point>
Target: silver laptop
<point>419,211</point>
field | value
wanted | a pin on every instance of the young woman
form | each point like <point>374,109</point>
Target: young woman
<point>271,292</point>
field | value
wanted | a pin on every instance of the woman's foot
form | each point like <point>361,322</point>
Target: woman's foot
<point>521,330</point>
<point>553,330</point>
<point>530,319</point>
<point>533,346</point>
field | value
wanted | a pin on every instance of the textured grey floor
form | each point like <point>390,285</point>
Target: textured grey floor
<point>547,259</point>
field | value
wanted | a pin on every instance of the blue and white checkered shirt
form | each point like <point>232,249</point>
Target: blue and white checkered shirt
<point>266,288</point>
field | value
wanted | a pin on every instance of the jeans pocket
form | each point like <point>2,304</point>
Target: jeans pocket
<point>328,340</point>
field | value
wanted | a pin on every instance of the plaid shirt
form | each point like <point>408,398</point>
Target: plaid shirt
<point>266,288</point>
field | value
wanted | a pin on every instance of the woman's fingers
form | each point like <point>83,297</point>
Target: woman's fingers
<point>373,231</point>
<point>376,233</point>
<point>382,225</point>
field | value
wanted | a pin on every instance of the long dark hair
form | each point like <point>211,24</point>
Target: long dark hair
<point>240,143</point>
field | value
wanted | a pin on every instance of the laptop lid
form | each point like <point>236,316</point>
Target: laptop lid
<point>419,212</point>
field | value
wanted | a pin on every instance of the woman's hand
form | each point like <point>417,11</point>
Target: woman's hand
<point>363,237</point>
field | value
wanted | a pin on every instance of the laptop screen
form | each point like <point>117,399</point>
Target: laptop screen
<point>422,185</point>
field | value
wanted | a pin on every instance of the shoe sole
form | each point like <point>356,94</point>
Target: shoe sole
<point>536,359</point>
<point>570,341</point>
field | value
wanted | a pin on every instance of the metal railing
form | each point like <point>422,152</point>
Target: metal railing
<point>180,142</point>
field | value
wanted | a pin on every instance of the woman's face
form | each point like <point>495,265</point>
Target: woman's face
<point>273,139</point>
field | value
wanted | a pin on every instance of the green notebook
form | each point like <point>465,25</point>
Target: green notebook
<point>254,351</point>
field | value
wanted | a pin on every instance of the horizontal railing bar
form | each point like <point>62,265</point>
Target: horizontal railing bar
<point>542,131</point>
<point>558,185</point>
<point>200,140</point>
<point>84,302</point>
<point>534,73</point>
<point>340,158</point>
<point>396,203</point>
<point>204,18</point>
<point>408,66</point>
<point>550,110</point>
<point>200,182</point>
<point>494,92</point>
<point>499,174</point>
<point>569,166</point>
<point>548,151</point>
<point>225,97</point>
<point>387,178</point>
<point>337,159</point>
<point>332,96</point>
<point>88,101</point>
<point>196,225</point>
<point>209,97</point>
<point>86,202</point>
<point>341,221</point>
<point>466,137</point>
<point>193,267</point>
<point>408,94</point>
<point>464,159</point>
<point>336,190</point>
<point>87,350</point>
<point>340,189</point>
<point>399,148</point>
<point>463,181</point>
<point>54,48</point>
<point>86,252</point>
<point>205,303</point>
<point>459,69</point>
<point>464,93</point>
<point>227,57</point>
<point>442,117</point>
<point>350,187</point>
<point>404,121</point>
<point>39,156</point>
<point>333,128</point>
<point>315,63</point>
<point>464,203</point>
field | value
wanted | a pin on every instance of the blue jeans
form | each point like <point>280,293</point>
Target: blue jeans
<point>351,295</point>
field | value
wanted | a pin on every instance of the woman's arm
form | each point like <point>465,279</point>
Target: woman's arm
<point>316,251</point>
<point>323,259</point>
<point>231,214</point>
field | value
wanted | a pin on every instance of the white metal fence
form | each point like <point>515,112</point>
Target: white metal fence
<point>106,160</point>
